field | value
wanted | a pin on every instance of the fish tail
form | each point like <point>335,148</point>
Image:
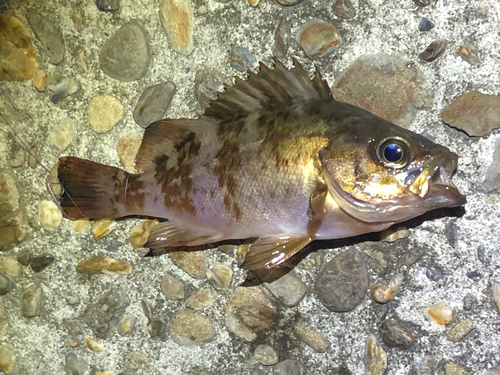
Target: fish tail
<point>92,190</point>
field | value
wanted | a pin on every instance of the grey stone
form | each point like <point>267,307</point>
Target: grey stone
<point>425,25</point>
<point>289,367</point>
<point>429,365</point>
<point>172,288</point>
<point>24,258</point>
<point>433,274</point>
<point>281,38</point>
<point>136,363</point>
<point>107,5</point>
<point>188,328</point>
<point>61,87</point>
<point>47,31</point>
<point>6,284</point>
<point>288,289</point>
<point>434,50</point>
<point>492,177</point>
<point>75,364</point>
<point>395,335</point>
<point>206,85</point>
<point>343,9</point>
<point>125,56</point>
<point>240,58</point>
<point>342,284</point>
<point>41,262</point>
<point>31,301</point>
<point>153,103</point>
<point>266,355</point>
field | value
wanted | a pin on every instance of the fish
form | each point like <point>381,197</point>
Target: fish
<point>276,159</point>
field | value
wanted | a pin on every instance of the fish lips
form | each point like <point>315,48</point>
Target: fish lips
<point>432,188</point>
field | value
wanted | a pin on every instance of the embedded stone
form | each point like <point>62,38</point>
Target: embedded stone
<point>207,84</point>
<point>220,276</point>
<point>7,359</point>
<point>104,112</point>
<point>49,34</point>
<point>102,264</point>
<point>6,285</point>
<point>395,335</point>
<point>343,9</point>
<point>31,301</point>
<point>63,133</point>
<point>441,314</point>
<point>177,18</point>
<point>281,38</point>
<point>289,367</point>
<point>201,299</point>
<point>394,233</point>
<point>172,288</point>
<point>126,325</point>
<point>94,345</point>
<point>317,38</point>
<point>425,25</point>
<point>288,289</point>
<point>9,195</point>
<point>80,225</point>
<point>50,215</point>
<point>433,50</point>
<point>75,364</point>
<point>61,87</point>
<point>452,368</point>
<point>136,363</point>
<point>189,328</point>
<point>41,262</point>
<point>316,340</point>
<point>460,329</point>
<point>125,56</point>
<point>266,355</point>
<point>107,5</point>
<point>375,357</point>
<point>10,266</point>
<point>140,234</point>
<point>382,293</point>
<point>193,262</point>
<point>469,54</point>
<point>153,103</point>
<point>240,58</point>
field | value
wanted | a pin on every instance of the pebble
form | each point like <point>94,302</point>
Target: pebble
<point>126,56</point>
<point>289,367</point>
<point>127,149</point>
<point>429,365</point>
<point>394,233</point>
<point>433,274</point>
<point>434,50</point>
<point>317,38</point>
<point>385,85</point>
<point>7,359</point>
<point>104,112</point>
<point>3,320</point>
<point>266,355</point>
<point>281,38</point>
<point>24,258</point>
<point>288,2</point>
<point>316,340</point>
<point>201,299</point>
<point>80,225</point>
<point>41,262</point>
<point>475,113</point>
<point>136,363</point>
<point>460,329</point>
<point>40,79</point>
<point>343,9</point>
<point>288,289</point>
<point>441,314</point>
<point>220,276</point>
<point>64,132</point>
<point>207,84</point>
<point>240,58</point>
<point>47,31</point>
<point>422,3</point>
<point>375,358</point>
<point>193,262</point>
<point>492,177</point>
<point>49,215</point>
<point>61,87</point>
<point>153,103</point>
<point>9,197</point>
<point>395,335</point>
<point>410,256</point>
<point>254,2</point>
<point>75,364</point>
<point>18,62</point>
<point>469,301</point>
<point>101,264</point>
<point>10,266</point>
<point>108,308</point>
<point>343,282</point>
<point>188,328</point>
<point>72,326</point>
<point>172,288</point>
<point>139,235</point>
<point>78,18</point>
<point>126,325</point>
<point>248,312</point>
<point>382,293</point>
<point>31,301</point>
<point>107,5</point>
<point>177,18</point>
<point>425,25</point>
<point>484,255</point>
<point>94,345</point>
<point>452,368</point>
<point>495,293</point>
<point>6,285</point>
<point>155,327</point>
<point>469,54</point>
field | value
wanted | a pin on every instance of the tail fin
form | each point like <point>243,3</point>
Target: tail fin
<point>92,190</point>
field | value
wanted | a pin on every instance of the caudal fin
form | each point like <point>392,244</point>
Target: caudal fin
<point>92,190</point>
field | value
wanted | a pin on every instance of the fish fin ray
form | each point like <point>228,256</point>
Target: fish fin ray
<point>268,252</point>
<point>91,190</point>
<point>172,234</point>
<point>269,87</point>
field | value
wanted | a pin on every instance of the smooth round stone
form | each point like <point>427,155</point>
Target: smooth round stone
<point>125,56</point>
<point>75,364</point>
<point>107,5</point>
<point>188,328</point>
<point>288,289</point>
<point>344,9</point>
<point>31,301</point>
<point>49,215</point>
<point>6,285</point>
<point>281,38</point>
<point>7,359</point>
<point>342,284</point>
<point>47,31</point>
<point>94,345</point>
<point>102,264</point>
<point>441,314</point>
<point>433,274</point>
<point>172,288</point>
<point>126,325</point>
<point>153,103</point>
<point>266,355</point>
<point>41,262</point>
<point>434,50</point>
<point>104,112</point>
<point>395,335</point>
<point>10,266</point>
<point>289,367</point>
<point>317,38</point>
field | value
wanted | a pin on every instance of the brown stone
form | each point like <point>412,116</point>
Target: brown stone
<point>101,264</point>
<point>177,19</point>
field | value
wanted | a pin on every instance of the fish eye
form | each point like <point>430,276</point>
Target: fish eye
<point>393,152</point>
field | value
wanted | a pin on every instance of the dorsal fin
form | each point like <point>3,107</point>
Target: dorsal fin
<point>268,87</point>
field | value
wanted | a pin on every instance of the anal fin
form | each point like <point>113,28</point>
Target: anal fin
<point>172,234</point>
<point>268,252</point>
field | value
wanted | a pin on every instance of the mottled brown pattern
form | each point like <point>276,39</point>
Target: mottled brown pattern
<point>173,173</point>
<point>135,193</point>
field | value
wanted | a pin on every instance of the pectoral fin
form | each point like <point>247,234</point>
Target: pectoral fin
<point>270,251</point>
<point>172,234</point>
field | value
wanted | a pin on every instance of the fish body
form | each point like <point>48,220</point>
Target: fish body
<point>275,158</point>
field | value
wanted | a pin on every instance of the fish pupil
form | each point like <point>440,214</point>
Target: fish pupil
<point>393,153</point>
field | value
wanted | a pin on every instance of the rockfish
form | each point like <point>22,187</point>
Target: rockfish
<point>275,157</point>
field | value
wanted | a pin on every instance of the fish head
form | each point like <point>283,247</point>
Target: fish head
<point>379,172</point>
